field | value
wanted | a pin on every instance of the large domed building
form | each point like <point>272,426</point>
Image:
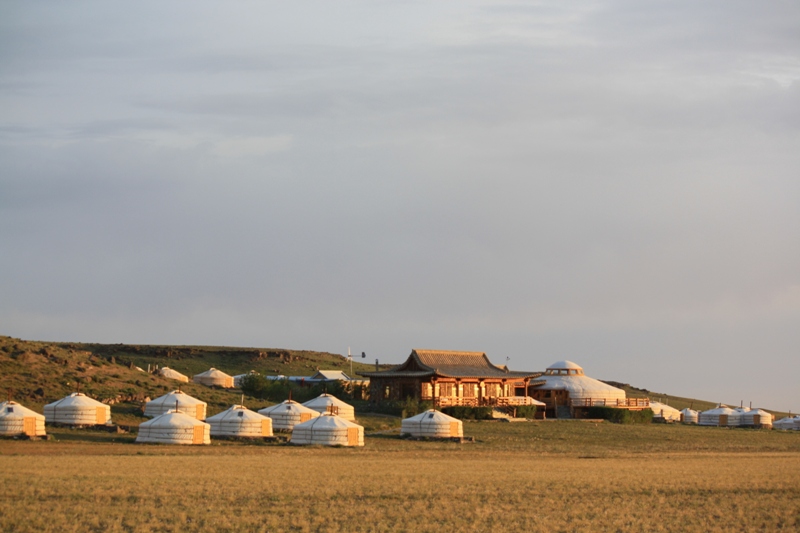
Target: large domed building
<point>568,393</point>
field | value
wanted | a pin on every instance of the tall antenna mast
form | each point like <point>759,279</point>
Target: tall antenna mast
<point>350,358</point>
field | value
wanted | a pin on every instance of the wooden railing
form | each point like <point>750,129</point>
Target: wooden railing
<point>499,401</point>
<point>626,403</point>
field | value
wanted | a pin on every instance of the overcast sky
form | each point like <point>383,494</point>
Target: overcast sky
<point>616,184</point>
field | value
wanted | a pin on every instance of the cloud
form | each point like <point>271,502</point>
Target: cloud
<point>252,146</point>
<point>602,182</point>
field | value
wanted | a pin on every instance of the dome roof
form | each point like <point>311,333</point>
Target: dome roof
<point>579,386</point>
<point>327,422</point>
<point>324,402</point>
<point>212,373</point>
<point>432,415</point>
<point>237,413</point>
<point>663,410</point>
<point>562,365</point>
<point>172,374</point>
<point>77,399</point>
<point>14,410</point>
<point>720,410</point>
<point>181,397</point>
<point>172,419</point>
<point>289,406</point>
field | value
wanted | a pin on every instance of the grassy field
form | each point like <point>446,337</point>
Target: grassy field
<point>546,476</point>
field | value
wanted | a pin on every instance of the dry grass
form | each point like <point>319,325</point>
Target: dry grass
<point>536,477</point>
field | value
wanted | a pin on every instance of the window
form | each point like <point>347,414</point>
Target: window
<point>470,390</point>
<point>492,389</point>
<point>446,389</point>
<point>427,391</point>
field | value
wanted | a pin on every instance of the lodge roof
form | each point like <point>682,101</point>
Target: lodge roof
<point>451,364</point>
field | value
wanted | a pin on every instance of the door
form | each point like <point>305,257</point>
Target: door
<point>29,426</point>
<point>199,435</point>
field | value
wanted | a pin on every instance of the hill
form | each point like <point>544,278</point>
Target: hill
<point>38,373</point>
<point>42,372</point>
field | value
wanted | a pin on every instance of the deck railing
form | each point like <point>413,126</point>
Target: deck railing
<point>499,401</point>
<point>625,403</point>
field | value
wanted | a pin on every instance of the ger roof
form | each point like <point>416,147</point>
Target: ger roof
<point>562,365</point>
<point>451,364</point>
<point>76,399</point>
<point>212,373</point>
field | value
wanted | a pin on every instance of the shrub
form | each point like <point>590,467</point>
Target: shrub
<point>403,409</point>
<point>526,411</point>
<point>469,413</point>
<point>621,416</point>
<point>257,386</point>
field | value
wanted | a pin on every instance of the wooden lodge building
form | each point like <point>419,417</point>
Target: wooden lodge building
<point>448,378</point>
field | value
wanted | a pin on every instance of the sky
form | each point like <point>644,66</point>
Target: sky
<point>612,183</point>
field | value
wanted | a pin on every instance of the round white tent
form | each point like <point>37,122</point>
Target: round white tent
<point>565,381</point>
<point>689,416</point>
<point>16,419</point>
<point>432,423</point>
<point>662,411</point>
<point>735,419</point>
<point>328,430</point>
<point>173,427</point>
<point>719,416</point>
<point>239,421</point>
<point>214,378</point>
<point>288,414</point>
<point>329,404</point>
<point>756,418</point>
<point>789,422</point>
<point>172,374</point>
<point>176,401</point>
<point>77,409</point>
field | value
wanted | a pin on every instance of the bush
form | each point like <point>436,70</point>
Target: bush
<point>469,413</point>
<point>526,411</point>
<point>621,416</point>
<point>404,409</point>
<point>257,386</point>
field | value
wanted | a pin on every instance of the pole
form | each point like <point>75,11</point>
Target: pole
<point>350,357</point>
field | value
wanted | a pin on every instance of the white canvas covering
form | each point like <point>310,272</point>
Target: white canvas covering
<point>665,412</point>
<point>719,416</point>
<point>432,423</point>
<point>16,419</point>
<point>288,414</point>
<point>789,422</point>
<point>79,410</point>
<point>239,421</point>
<point>569,376</point>
<point>214,378</point>
<point>328,430</point>
<point>689,416</point>
<point>756,418</point>
<point>176,400</point>
<point>173,374</point>
<point>173,427</point>
<point>327,403</point>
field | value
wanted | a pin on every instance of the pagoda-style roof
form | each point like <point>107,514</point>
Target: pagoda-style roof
<point>448,364</point>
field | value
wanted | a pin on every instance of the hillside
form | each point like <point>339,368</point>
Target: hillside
<point>38,373</point>
<point>41,372</point>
